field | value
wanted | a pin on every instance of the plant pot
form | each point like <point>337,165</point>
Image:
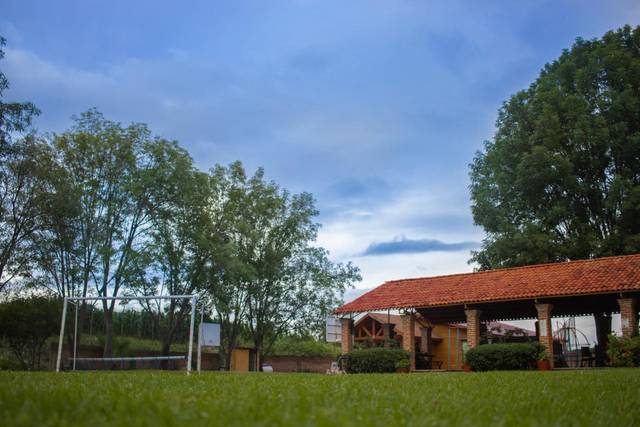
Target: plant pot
<point>402,370</point>
<point>544,365</point>
<point>467,368</point>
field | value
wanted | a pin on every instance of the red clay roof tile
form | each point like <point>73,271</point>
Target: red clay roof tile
<point>602,275</point>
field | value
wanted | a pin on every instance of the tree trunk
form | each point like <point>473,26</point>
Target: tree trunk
<point>227,360</point>
<point>108,333</point>
<point>167,339</point>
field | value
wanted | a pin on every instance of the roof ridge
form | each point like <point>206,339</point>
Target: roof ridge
<point>522,267</point>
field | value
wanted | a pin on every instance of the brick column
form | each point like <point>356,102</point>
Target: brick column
<point>347,335</point>
<point>408,331</point>
<point>473,327</point>
<point>426,346</point>
<point>628,316</point>
<point>545,333</point>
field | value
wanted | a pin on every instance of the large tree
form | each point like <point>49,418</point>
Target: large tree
<point>177,198</point>
<point>267,277</point>
<point>108,165</point>
<point>228,276</point>
<point>561,178</point>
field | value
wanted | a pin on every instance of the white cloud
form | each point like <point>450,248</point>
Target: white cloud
<point>349,234</point>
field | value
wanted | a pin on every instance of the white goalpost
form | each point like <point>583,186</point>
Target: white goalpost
<point>76,300</point>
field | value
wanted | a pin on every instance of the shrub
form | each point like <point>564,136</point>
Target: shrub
<point>304,347</point>
<point>25,326</point>
<point>624,352</point>
<point>511,356</point>
<point>375,360</point>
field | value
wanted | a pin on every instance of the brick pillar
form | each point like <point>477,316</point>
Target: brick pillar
<point>408,331</point>
<point>545,333</point>
<point>347,335</point>
<point>628,316</point>
<point>387,333</point>
<point>473,327</point>
<point>426,345</point>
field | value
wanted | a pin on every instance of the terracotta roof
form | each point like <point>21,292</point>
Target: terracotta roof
<point>602,275</point>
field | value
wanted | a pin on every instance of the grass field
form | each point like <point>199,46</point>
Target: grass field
<point>581,398</point>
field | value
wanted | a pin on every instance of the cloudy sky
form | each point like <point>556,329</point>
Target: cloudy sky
<point>375,107</point>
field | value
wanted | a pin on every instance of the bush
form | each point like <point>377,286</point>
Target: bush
<point>304,347</point>
<point>624,352</point>
<point>375,360</point>
<point>503,357</point>
<point>25,326</point>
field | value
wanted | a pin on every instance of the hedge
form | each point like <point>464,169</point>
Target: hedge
<point>510,356</point>
<point>304,347</point>
<point>624,352</point>
<point>375,360</point>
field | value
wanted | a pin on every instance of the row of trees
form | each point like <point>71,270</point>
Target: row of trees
<point>105,209</point>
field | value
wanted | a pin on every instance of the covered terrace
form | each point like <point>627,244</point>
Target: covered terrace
<point>598,287</point>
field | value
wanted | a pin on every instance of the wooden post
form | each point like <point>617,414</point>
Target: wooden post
<point>603,330</point>
<point>387,329</point>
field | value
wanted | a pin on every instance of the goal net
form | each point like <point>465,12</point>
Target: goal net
<point>145,332</point>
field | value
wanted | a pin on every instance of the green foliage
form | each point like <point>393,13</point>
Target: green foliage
<point>375,360</point>
<point>599,397</point>
<point>266,274</point>
<point>27,171</point>
<point>403,364</point>
<point>25,326</point>
<point>303,347</point>
<point>14,116</point>
<point>509,356</point>
<point>624,352</point>
<point>10,364</point>
<point>124,211</point>
<point>560,179</point>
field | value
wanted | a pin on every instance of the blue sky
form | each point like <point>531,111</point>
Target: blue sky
<point>376,107</point>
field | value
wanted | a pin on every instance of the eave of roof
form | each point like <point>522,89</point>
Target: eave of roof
<point>585,277</point>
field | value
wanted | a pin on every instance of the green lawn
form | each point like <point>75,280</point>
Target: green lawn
<point>582,398</point>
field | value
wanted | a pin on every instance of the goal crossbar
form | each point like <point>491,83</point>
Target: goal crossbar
<point>67,300</point>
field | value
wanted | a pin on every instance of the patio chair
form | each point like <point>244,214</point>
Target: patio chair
<point>559,361</point>
<point>586,357</point>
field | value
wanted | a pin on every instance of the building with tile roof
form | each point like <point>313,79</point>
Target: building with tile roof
<point>597,287</point>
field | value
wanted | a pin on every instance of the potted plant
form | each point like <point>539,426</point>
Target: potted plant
<point>466,367</point>
<point>402,366</point>
<point>543,361</point>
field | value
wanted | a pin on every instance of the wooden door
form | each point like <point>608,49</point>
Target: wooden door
<point>240,360</point>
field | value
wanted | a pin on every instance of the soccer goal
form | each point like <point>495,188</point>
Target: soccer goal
<point>137,315</point>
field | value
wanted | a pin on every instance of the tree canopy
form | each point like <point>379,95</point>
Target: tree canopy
<point>15,117</point>
<point>560,180</point>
